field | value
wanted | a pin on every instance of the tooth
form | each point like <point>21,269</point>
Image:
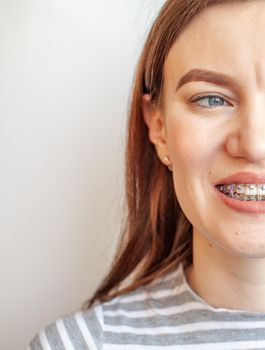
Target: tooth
<point>243,197</point>
<point>261,189</point>
<point>221,188</point>
<point>240,189</point>
<point>227,188</point>
<point>251,190</point>
<point>237,196</point>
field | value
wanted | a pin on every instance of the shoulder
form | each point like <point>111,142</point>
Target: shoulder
<point>129,318</point>
<point>80,330</point>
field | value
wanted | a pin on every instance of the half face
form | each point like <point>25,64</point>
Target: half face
<point>212,125</point>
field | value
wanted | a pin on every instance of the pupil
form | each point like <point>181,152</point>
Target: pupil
<point>216,101</point>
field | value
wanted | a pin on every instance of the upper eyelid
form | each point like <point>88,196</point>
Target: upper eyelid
<point>202,96</point>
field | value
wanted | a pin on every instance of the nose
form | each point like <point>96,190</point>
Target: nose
<point>247,140</point>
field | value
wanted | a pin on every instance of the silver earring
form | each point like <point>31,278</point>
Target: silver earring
<point>167,162</point>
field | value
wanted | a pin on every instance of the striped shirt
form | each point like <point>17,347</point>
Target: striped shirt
<point>165,314</point>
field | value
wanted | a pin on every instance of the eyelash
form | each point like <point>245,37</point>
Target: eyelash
<point>202,97</point>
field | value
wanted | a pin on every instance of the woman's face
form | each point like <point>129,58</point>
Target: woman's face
<point>212,125</point>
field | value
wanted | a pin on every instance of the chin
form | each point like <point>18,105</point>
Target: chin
<point>248,250</point>
<point>244,242</point>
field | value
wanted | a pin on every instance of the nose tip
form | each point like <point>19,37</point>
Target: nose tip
<point>246,132</point>
<point>248,144</point>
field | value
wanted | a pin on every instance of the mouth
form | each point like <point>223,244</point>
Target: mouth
<point>243,192</point>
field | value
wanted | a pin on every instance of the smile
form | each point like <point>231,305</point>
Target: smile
<point>244,192</point>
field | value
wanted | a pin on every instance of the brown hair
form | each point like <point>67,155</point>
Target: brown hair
<point>157,235</point>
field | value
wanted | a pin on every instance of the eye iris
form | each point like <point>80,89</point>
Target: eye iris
<point>216,101</point>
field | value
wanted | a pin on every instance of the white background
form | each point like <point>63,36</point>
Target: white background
<point>66,70</point>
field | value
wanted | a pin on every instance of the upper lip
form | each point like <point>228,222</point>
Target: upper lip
<point>243,178</point>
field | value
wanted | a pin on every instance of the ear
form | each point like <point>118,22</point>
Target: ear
<point>156,124</point>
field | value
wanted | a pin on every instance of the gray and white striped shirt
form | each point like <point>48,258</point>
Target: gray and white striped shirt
<point>165,314</point>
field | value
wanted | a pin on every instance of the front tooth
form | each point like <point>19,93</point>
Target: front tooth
<point>251,190</point>
<point>261,189</point>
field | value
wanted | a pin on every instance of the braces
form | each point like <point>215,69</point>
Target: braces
<point>232,191</point>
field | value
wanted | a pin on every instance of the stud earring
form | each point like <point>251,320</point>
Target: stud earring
<point>167,162</point>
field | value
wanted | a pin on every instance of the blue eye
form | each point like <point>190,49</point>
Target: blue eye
<point>210,101</point>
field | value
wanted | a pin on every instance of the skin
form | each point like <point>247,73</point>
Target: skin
<point>208,143</point>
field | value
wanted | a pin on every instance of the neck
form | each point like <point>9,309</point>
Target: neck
<point>224,280</point>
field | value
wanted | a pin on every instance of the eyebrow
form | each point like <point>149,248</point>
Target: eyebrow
<point>208,76</point>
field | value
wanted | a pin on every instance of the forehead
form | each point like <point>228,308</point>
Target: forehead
<point>228,37</point>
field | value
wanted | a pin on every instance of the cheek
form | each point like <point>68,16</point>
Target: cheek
<point>190,145</point>
<point>194,155</point>
<point>189,156</point>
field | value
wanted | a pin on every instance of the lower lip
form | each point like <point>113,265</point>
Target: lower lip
<point>256,207</point>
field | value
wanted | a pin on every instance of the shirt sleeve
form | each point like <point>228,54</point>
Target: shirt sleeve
<point>82,330</point>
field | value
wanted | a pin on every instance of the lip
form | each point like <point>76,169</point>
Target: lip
<point>252,207</point>
<point>242,206</point>
<point>243,178</point>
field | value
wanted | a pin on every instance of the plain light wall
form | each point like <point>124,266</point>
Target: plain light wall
<point>66,70</point>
